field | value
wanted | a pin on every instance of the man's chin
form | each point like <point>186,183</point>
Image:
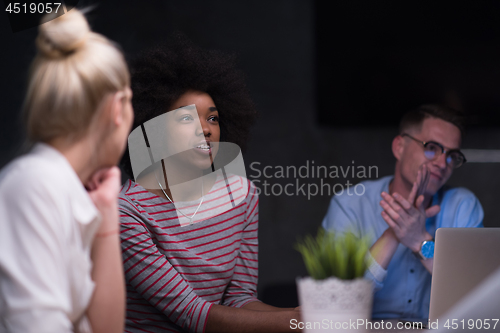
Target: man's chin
<point>433,187</point>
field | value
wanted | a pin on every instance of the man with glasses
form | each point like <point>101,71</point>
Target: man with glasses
<point>402,212</point>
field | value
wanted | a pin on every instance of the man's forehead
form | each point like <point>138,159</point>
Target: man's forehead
<point>440,131</point>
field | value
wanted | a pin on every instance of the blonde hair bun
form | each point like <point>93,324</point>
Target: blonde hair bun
<point>62,35</point>
<point>74,70</point>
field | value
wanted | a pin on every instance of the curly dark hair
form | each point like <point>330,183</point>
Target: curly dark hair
<point>162,74</point>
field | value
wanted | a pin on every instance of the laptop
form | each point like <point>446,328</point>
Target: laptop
<point>463,258</point>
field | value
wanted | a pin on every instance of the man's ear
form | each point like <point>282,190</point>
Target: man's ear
<point>398,147</point>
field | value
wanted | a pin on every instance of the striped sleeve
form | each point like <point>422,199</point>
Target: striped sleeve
<point>153,277</point>
<point>242,288</point>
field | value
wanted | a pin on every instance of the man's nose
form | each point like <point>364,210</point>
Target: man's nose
<point>441,161</point>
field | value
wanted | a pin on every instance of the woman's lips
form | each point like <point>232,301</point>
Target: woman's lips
<point>203,149</point>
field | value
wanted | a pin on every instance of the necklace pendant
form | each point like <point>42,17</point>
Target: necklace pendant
<point>172,202</point>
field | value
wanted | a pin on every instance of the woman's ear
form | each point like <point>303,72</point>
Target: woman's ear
<point>398,147</point>
<point>116,110</point>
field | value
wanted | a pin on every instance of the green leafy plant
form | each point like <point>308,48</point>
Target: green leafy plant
<point>329,254</point>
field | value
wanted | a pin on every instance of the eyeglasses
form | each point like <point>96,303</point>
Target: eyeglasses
<point>432,150</point>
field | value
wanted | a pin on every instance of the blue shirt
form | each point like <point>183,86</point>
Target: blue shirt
<point>403,290</point>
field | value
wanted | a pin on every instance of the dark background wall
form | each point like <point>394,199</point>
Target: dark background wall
<point>391,56</point>
<point>330,84</point>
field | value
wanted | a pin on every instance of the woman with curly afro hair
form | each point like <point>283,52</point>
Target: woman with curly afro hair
<point>190,220</point>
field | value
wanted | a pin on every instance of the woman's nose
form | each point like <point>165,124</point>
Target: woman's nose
<point>203,128</point>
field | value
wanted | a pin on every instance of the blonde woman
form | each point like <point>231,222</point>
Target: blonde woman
<point>60,262</point>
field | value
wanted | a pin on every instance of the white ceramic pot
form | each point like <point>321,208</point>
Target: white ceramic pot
<point>335,305</point>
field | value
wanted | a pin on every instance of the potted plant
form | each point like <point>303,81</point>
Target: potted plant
<point>335,295</point>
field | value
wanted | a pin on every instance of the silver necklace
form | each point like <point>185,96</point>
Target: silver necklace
<point>196,211</point>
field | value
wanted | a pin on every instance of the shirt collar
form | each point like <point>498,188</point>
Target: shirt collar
<point>435,198</point>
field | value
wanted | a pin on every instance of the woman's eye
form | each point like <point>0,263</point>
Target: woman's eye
<point>186,117</point>
<point>214,118</point>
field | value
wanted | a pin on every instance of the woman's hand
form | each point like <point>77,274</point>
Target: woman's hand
<point>103,188</point>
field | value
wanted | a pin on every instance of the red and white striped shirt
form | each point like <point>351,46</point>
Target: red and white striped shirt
<point>175,273</point>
